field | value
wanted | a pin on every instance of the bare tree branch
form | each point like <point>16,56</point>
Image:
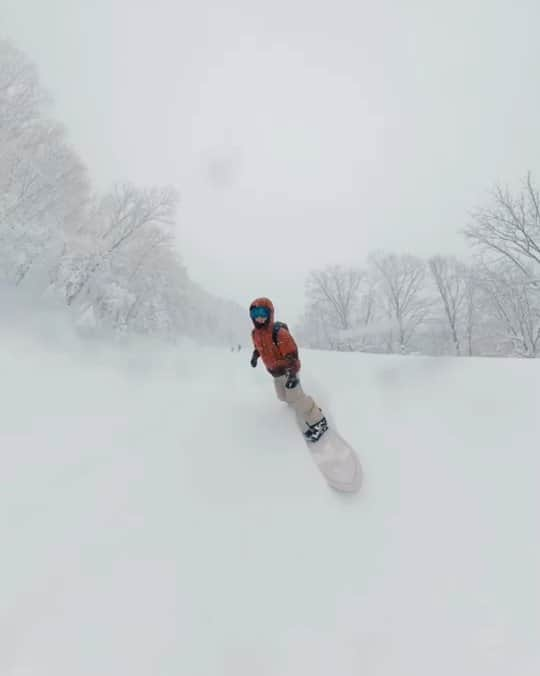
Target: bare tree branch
<point>402,280</point>
<point>510,226</point>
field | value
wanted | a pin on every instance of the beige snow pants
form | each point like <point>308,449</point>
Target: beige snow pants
<point>305,408</point>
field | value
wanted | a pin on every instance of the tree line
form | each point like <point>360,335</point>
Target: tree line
<point>112,258</point>
<point>487,304</point>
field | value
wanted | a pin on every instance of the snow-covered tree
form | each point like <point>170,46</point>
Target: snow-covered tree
<point>340,304</point>
<point>43,184</point>
<point>111,231</point>
<point>402,296</point>
<point>43,195</point>
<point>513,301</point>
<point>454,283</point>
<point>112,258</point>
<point>336,287</point>
<point>22,98</point>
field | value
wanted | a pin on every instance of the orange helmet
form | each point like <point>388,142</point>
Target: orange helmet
<point>262,307</point>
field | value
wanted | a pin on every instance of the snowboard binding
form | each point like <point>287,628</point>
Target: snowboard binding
<point>315,432</point>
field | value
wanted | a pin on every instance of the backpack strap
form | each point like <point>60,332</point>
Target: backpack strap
<point>275,330</point>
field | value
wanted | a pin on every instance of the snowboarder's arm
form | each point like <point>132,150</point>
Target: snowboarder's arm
<point>256,354</point>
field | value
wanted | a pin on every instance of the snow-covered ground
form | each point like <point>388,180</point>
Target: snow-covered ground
<point>160,516</point>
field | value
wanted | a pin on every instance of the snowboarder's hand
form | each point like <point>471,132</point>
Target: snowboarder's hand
<point>292,380</point>
<point>254,358</point>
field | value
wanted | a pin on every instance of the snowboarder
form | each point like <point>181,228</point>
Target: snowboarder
<point>276,347</point>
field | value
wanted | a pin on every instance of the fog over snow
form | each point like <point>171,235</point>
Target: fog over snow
<point>161,515</point>
<point>373,169</point>
<point>298,134</point>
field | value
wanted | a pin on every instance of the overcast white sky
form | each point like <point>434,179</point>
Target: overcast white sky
<point>298,133</point>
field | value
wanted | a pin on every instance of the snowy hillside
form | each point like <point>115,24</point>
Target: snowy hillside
<point>160,516</point>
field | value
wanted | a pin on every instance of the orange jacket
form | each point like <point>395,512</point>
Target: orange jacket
<point>277,358</point>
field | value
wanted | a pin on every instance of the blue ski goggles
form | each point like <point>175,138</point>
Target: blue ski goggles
<point>257,312</point>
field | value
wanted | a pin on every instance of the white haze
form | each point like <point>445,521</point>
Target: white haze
<point>298,134</point>
<point>159,514</point>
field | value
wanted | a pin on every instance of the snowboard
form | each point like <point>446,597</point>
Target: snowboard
<point>337,461</point>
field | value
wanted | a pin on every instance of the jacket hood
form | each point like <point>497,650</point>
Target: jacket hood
<point>264,302</point>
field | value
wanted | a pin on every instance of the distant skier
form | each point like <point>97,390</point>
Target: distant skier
<point>276,347</point>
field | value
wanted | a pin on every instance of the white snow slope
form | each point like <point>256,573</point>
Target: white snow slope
<point>161,516</point>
